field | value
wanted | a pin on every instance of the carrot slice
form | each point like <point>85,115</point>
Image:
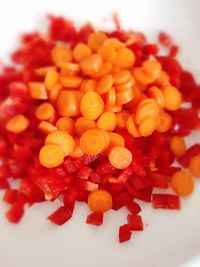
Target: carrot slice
<point>108,53</point>
<point>147,126</point>
<point>164,122</point>
<point>69,68</point>
<point>124,97</point>
<point>17,124</point>
<point>51,156</point>
<point>91,64</point>
<point>131,126</point>
<point>44,111</point>
<point>104,84</point>
<point>55,91</point>
<point>152,67</point>
<point>46,127</point>
<point>182,183</point>
<point>93,141</point>
<point>194,166</point>
<point>81,51</point>
<point>77,152</point>
<point>100,201</point>
<point>178,146</point>
<point>91,105</point>
<point>142,77</point>
<point>107,121</point>
<point>105,69</point>
<point>61,53</point>
<point>122,117</point>
<point>37,90</point>
<point>120,157</point>
<point>66,124</point>
<point>69,81</point>
<point>145,111</point>
<point>51,78</point>
<point>111,97</point>
<point>68,103</point>
<point>88,85</point>
<point>82,124</point>
<point>157,94</point>
<point>125,58</point>
<point>96,40</point>
<point>43,70</point>
<point>115,140</point>
<point>63,139</point>
<point>172,98</point>
<point>122,77</point>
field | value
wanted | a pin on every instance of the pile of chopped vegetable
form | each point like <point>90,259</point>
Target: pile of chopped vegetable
<point>96,117</point>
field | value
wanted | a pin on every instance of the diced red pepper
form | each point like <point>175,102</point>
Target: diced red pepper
<point>115,189</point>
<point>22,152</point>
<point>3,148</point>
<point>173,51</point>
<point>159,180</point>
<point>31,191</point>
<point>15,213</point>
<point>69,205</point>
<point>194,150</point>
<point>95,177</point>
<point>121,200</point>
<point>60,216</point>
<point>165,201</point>
<point>164,39</point>
<point>59,172</point>
<point>4,183</point>
<point>86,185</point>
<point>105,168</point>
<point>70,195</point>
<point>124,233</point>
<point>10,196</point>
<point>135,222</point>
<point>95,218</point>
<point>84,173</point>
<point>141,182</point>
<point>69,165</point>
<point>133,207</point>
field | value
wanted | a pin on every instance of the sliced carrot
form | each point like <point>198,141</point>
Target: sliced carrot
<point>126,86</point>
<point>122,77</point>
<point>147,126</point>
<point>142,77</point>
<point>81,51</point>
<point>115,140</point>
<point>17,124</point>
<point>43,70</point>
<point>125,58</point>
<point>68,103</point>
<point>122,117</point>
<point>51,156</point>
<point>100,201</point>
<point>120,157</point>
<point>93,141</point>
<point>131,126</point>
<point>194,166</point>
<point>163,79</point>
<point>178,146</point>
<point>104,84</point>
<point>107,53</point>
<point>96,40</point>
<point>145,111</point>
<point>44,111</point>
<point>114,42</point>
<point>61,53</point>
<point>91,105</point>
<point>152,67</point>
<point>88,85</point>
<point>70,81</point>
<point>137,98</point>
<point>182,183</point>
<point>157,94</point>
<point>66,124</point>
<point>107,121</point>
<point>172,98</point>
<point>37,90</point>
<point>82,124</point>
<point>69,68</point>
<point>115,108</point>
<point>46,127</point>
<point>164,122</point>
<point>51,79</point>
<point>55,91</point>
<point>77,152</point>
<point>124,97</point>
<point>62,139</point>
<point>111,97</point>
<point>105,69</point>
<point>91,64</point>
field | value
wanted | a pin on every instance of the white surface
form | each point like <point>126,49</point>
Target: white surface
<point>170,238</point>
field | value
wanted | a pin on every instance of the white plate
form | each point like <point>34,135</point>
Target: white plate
<point>170,238</point>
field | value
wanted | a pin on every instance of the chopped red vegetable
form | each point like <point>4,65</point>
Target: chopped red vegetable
<point>96,117</point>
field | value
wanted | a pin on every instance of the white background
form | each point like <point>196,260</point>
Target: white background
<point>170,238</point>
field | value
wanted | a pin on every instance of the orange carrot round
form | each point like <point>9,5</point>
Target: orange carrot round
<point>82,124</point>
<point>96,40</point>
<point>17,124</point>
<point>91,64</point>
<point>125,58</point>
<point>172,98</point>
<point>177,145</point>
<point>120,157</point>
<point>61,53</point>
<point>194,166</point>
<point>65,124</point>
<point>81,51</point>
<point>182,183</point>
<point>51,155</point>
<point>100,201</point>
<point>107,121</point>
<point>44,111</point>
<point>164,122</point>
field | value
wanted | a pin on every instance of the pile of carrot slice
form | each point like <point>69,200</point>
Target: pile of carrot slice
<point>96,117</point>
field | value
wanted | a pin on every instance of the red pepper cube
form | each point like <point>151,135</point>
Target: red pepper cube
<point>159,180</point>
<point>60,216</point>
<point>69,205</point>
<point>31,191</point>
<point>95,178</point>
<point>140,182</point>
<point>70,195</point>
<point>165,201</point>
<point>88,159</point>
<point>69,165</point>
<point>3,148</point>
<point>115,189</point>
<point>78,163</point>
<point>86,185</point>
<point>124,233</point>
<point>133,207</point>
<point>164,39</point>
<point>4,183</point>
<point>135,222</point>
<point>15,213</point>
<point>84,173</point>
<point>173,51</point>
<point>59,172</point>
<point>105,168</point>
<point>10,196</point>
<point>95,218</point>
<point>121,200</point>
<point>82,196</point>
